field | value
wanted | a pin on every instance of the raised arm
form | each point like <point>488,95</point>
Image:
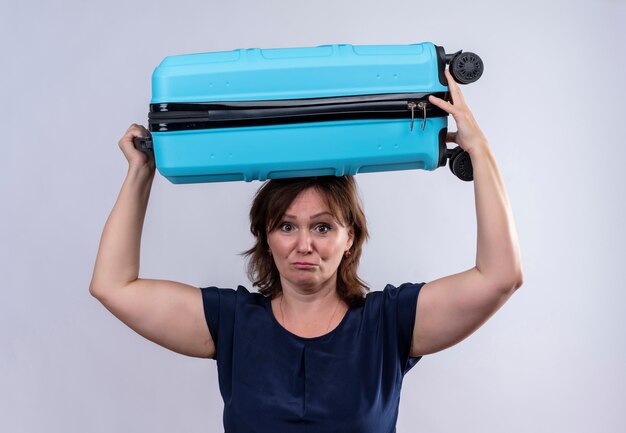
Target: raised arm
<point>451,308</point>
<point>168,313</point>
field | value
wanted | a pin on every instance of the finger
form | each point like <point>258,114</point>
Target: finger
<point>126,143</point>
<point>444,105</point>
<point>135,130</point>
<point>145,132</point>
<point>455,90</point>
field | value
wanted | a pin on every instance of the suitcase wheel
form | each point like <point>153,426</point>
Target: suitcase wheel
<point>466,67</point>
<point>461,164</point>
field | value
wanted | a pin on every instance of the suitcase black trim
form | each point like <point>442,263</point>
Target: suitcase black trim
<point>207,115</point>
<point>441,65</point>
<point>443,154</point>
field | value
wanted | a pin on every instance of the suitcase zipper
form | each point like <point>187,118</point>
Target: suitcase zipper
<point>189,116</point>
<point>421,106</point>
<point>411,106</point>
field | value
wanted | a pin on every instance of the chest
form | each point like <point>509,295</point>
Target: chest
<point>308,380</point>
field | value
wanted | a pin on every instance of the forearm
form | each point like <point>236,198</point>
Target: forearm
<point>117,262</point>
<point>497,249</point>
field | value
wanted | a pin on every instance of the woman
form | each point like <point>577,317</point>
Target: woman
<point>311,352</point>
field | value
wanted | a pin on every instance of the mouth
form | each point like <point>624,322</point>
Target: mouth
<point>304,265</point>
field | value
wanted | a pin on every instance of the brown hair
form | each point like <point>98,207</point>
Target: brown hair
<point>270,204</point>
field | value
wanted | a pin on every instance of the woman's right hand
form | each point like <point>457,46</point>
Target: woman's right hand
<point>136,158</point>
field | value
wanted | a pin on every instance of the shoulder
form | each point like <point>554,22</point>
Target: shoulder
<point>240,292</point>
<point>391,293</point>
<point>223,306</point>
<point>392,303</point>
<point>224,299</point>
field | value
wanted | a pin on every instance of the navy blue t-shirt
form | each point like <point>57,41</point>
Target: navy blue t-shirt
<point>346,381</point>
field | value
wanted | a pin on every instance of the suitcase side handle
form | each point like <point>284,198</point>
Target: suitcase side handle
<point>143,144</point>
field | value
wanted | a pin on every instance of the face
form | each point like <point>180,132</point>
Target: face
<point>309,243</point>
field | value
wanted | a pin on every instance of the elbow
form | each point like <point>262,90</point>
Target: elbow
<point>512,281</point>
<point>103,290</point>
<point>517,275</point>
<point>505,283</point>
<point>519,280</point>
<point>101,294</point>
<point>515,283</point>
<point>99,289</point>
<point>508,276</point>
<point>94,290</point>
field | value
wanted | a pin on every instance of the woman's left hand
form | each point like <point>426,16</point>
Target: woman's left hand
<point>468,135</point>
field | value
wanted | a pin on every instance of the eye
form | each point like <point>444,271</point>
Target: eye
<point>286,227</point>
<point>322,228</point>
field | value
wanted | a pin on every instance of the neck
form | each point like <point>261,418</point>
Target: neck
<point>309,296</point>
<point>309,314</point>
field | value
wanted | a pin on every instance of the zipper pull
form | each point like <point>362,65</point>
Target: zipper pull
<point>411,106</point>
<point>422,106</point>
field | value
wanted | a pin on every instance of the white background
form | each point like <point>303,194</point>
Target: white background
<point>75,74</point>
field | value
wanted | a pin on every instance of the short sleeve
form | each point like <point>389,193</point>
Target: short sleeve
<point>219,312</point>
<point>400,304</point>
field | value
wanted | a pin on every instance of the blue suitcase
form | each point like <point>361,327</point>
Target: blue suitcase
<point>256,114</point>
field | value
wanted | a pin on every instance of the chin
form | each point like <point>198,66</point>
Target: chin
<point>304,282</point>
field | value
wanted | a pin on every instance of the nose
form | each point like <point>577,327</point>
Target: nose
<point>304,242</point>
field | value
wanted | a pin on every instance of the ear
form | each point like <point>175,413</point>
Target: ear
<point>350,238</point>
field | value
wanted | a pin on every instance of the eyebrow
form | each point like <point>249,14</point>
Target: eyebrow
<point>313,216</point>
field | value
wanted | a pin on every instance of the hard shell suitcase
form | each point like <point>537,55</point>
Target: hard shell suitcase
<point>253,114</point>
